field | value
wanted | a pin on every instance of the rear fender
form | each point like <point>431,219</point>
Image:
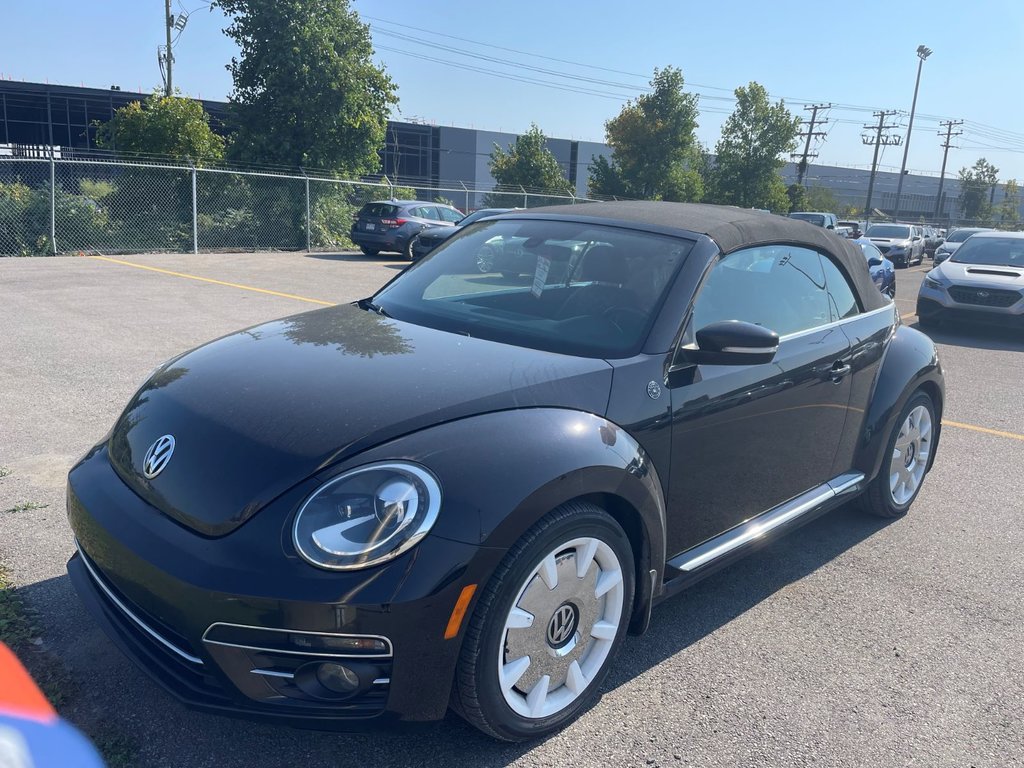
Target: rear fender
<point>911,362</point>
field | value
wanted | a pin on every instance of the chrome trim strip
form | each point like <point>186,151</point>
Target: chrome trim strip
<point>751,350</point>
<point>127,612</point>
<point>890,308</point>
<point>382,681</point>
<point>757,527</point>
<point>272,673</point>
<point>386,655</point>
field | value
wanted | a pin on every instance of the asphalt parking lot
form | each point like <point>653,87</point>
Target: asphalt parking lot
<point>853,642</point>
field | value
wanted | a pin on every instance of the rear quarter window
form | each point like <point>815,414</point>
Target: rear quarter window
<point>378,210</point>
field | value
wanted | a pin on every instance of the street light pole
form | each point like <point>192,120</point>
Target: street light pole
<point>923,52</point>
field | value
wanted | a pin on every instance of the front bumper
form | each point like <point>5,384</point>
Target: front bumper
<point>941,303</point>
<point>234,625</point>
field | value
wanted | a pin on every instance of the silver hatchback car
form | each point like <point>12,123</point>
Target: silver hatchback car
<point>982,281</point>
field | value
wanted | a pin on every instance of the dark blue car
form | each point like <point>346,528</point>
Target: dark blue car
<point>883,271</point>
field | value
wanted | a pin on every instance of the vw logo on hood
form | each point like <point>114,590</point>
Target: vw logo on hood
<point>157,457</point>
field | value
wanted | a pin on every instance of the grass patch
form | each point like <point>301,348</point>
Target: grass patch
<point>26,506</point>
<point>118,750</point>
<point>17,629</point>
<point>4,472</point>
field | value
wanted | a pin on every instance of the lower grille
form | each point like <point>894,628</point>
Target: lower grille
<point>984,297</point>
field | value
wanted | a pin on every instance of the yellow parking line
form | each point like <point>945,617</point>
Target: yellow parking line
<point>984,430</point>
<point>908,315</point>
<point>215,282</point>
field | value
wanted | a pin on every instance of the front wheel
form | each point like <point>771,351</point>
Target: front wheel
<point>548,626</point>
<point>367,251</point>
<point>906,460</point>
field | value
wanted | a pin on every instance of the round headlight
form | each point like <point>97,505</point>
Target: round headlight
<point>367,516</point>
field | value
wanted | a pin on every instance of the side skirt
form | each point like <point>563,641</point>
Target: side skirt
<point>704,559</point>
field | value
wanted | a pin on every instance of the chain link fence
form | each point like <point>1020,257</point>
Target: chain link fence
<point>68,206</point>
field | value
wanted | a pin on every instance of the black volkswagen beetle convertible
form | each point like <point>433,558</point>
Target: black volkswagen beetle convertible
<point>464,491</point>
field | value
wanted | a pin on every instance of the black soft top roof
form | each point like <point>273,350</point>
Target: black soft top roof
<point>731,228</point>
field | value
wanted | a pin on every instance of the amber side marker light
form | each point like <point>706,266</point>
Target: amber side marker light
<point>459,611</point>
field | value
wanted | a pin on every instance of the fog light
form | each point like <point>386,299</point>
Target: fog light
<point>337,678</point>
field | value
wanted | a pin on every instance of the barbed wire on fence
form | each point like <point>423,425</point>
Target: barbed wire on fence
<point>70,205</point>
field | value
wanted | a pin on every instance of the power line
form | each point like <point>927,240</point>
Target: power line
<point>949,125</point>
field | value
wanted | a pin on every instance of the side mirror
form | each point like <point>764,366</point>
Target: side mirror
<point>830,226</point>
<point>874,261</point>
<point>734,342</point>
<point>915,238</point>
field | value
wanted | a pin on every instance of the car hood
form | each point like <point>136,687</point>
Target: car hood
<point>901,242</point>
<point>256,412</point>
<point>982,275</point>
<point>950,247</point>
<point>437,234</point>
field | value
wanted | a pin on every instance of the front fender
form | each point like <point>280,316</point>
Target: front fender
<point>911,362</point>
<point>502,472</point>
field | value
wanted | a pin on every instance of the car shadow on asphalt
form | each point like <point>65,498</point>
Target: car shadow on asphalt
<point>357,257</point>
<point>699,611</point>
<point>977,336</point>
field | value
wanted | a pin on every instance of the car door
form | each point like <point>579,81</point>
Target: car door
<point>746,438</point>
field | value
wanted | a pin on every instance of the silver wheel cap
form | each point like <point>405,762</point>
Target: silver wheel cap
<point>561,628</point>
<point>910,455</point>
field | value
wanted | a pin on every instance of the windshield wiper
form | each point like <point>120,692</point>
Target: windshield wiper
<point>368,304</point>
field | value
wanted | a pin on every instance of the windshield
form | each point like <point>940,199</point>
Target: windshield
<point>962,234</point>
<point>889,230</point>
<point>813,218</point>
<point>870,251</point>
<point>991,251</point>
<point>567,287</point>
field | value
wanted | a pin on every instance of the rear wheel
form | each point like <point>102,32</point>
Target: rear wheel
<point>548,625</point>
<point>407,251</point>
<point>367,251</point>
<point>906,460</point>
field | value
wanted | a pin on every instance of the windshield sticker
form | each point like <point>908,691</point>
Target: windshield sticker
<point>540,277</point>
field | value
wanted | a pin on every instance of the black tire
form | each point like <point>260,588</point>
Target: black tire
<point>477,695</point>
<point>407,251</point>
<point>878,500</point>
<point>367,251</point>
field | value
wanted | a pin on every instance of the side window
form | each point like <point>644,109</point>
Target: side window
<point>429,212</point>
<point>780,287</point>
<point>449,214</point>
<point>841,300</point>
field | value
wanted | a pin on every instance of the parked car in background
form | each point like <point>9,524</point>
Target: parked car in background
<point>817,218</point>
<point>391,225</point>
<point>853,229</point>
<point>465,492</point>
<point>982,281</point>
<point>932,240</point>
<point>431,237</point>
<point>902,244</point>
<point>954,240</point>
<point>883,273</point>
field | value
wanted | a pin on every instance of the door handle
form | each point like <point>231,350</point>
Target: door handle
<point>839,370</point>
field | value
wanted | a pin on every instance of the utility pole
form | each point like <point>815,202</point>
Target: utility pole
<point>168,55</point>
<point>949,125</point>
<point>878,140</point>
<point>810,133</point>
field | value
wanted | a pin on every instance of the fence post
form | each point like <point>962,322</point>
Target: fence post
<point>195,214</point>
<point>466,210</point>
<point>309,239</point>
<point>53,204</point>
<point>525,197</point>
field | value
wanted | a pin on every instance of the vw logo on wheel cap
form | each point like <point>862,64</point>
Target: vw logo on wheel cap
<point>157,456</point>
<point>562,625</point>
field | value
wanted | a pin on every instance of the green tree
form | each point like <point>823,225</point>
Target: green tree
<point>1009,208</point>
<point>529,164</point>
<point>976,185</point>
<point>655,154</point>
<point>162,125</point>
<point>306,90</point>
<point>797,195</point>
<point>821,199</point>
<point>747,162</point>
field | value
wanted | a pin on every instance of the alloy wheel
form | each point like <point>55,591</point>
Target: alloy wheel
<point>910,455</point>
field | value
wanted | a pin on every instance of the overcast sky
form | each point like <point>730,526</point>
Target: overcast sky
<point>580,60</point>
